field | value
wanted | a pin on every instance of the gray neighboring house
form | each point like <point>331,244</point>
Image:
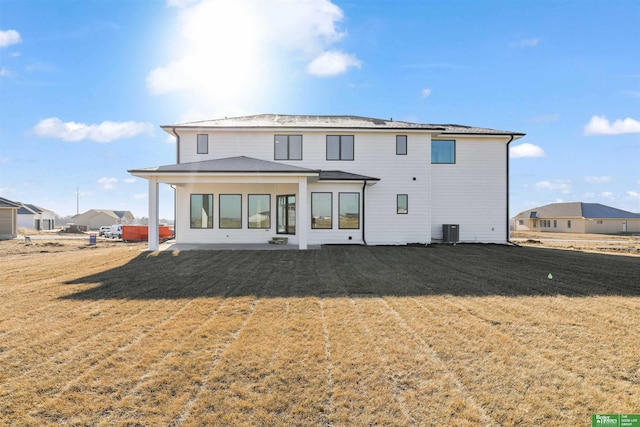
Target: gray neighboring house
<point>36,218</point>
<point>96,218</point>
<point>577,217</point>
<point>8,219</point>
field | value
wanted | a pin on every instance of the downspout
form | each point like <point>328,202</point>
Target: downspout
<point>508,219</point>
<point>364,186</point>
<point>173,130</point>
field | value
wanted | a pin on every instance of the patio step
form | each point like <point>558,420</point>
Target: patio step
<point>279,240</point>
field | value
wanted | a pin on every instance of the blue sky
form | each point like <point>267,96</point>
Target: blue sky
<point>85,85</point>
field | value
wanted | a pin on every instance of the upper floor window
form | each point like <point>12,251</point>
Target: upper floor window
<point>288,147</point>
<point>203,143</point>
<point>340,147</point>
<point>401,145</point>
<point>443,151</point>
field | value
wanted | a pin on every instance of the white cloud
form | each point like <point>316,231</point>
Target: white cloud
<point>525,150</point>
<point>598,179</point>
<point>426,92</point>
<point>607,194</point>
<point>107,183</point>
<point>525,43</point>
<point>589,195</point>
<point>4,159</point>
<point>129,180</point>
<point>332,63</point>
<point>600,125</point>
<point>140,196</point>
<point>228,48</point>
<point>104,132</point>
<point>562,185</point>
<point>4,72</point>
<point>633,194</point>
<point>9,37</point>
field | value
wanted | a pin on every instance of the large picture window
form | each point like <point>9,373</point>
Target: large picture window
<point>443,151</point>
<point>321,210</point>
<point>203,144</point>
<point>340,147</point>
<point>288,147</point>
<point>349,209</point>
<point>230,211</point>
<point>202,211</point>
<point>259,211</point>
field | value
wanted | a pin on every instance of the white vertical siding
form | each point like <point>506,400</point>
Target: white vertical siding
<point>472,192</point>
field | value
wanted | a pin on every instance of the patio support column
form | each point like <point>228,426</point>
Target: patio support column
<point>154,239</point>
<point>302,214</point>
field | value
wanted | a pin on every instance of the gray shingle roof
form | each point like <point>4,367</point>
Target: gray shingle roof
<point>577,210</point>
<point>344,176</point>
<point>240,164</point>
<point>6,203</point>
<point>329,122</point>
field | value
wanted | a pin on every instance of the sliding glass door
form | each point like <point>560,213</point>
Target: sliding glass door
<point>286,214</point>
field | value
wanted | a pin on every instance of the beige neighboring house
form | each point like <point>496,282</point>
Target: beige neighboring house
<point>8,219</point>
<point>36,218</point>
<point>96,218</point>
<point>577,217</point>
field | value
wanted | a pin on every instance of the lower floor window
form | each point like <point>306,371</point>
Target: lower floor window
<point>568,223</point>
<point>202,211</point>
<point>349,210</point>
<point>402,203</point>
<point>259,211</point>
<point>230,211</point>
<point>321,210</point>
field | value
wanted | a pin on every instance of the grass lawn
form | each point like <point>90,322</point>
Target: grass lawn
<point>346,335</point>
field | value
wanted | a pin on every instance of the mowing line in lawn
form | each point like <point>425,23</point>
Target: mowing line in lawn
<point>329,410</point>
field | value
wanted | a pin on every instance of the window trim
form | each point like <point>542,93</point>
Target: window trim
<point>406,145</point>
<point>206,151</point>
<point>220,213</point>
<point>398,204</point>
<point>330,193</point>
<point>191,212</point>
<point>359,210</point>
<point>249,227</point>
<point>340,159</point>
<point>288,146</point>
<point>455,153</point>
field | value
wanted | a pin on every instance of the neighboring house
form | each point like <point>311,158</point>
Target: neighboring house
<point>36,218</point>
<point>8,219</point>
<point>95,218</point>
<point>333,179</point>
<point>577,217</point>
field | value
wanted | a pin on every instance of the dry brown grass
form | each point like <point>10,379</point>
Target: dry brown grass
<point>465,335</point>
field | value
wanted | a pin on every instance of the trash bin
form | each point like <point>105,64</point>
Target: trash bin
<point>92,239</point>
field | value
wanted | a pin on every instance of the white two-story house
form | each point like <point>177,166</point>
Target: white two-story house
<point>333,180</point>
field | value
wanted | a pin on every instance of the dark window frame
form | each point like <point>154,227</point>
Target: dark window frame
<point>331,210</point>
<point>398,204</point>
<point>220,212</point>
<point>359,210</point>
<point>406,145</point>
<point>206,150</point>
<point>249,213</point>
<point>455,153</point>
<point>275,157</point>
<point>340,159</point>
<point>191,212</point>
<point>568,223</point>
